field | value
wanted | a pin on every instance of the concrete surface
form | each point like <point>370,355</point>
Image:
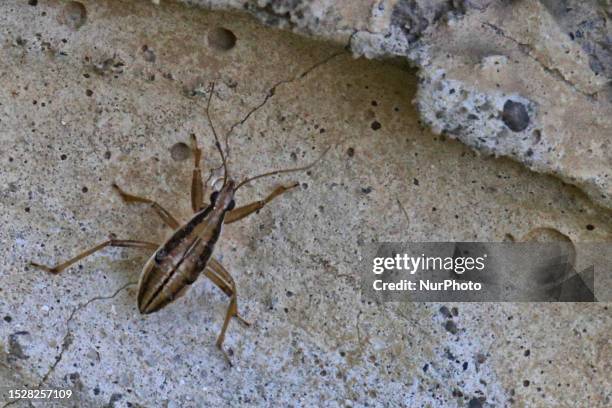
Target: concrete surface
<point>88,99</point>
<point>554,58</point>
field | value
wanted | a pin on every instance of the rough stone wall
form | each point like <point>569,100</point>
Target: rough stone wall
<point>110,92</point>
<point>525,79</point>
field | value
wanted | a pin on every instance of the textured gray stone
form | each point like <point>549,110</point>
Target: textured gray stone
<point>555,54</point>
<point>81,109</point>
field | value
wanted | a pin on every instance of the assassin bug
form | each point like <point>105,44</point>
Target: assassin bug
<point>187,253</point>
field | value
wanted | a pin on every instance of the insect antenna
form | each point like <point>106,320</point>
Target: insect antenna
<point>217,144</point>
<point>275,172</point>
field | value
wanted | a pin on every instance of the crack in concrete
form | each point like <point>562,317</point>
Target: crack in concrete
<point>348,46</point>
<point>272,91</point>
<point>8,404</point>
<point>67,339</point>
<point>349,43</point>
<point>526,49</point>
<point>404,212</point>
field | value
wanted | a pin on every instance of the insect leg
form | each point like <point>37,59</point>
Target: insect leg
<point>109,243</point>
<point>168,219</point>
<point>221,283</point>
<point>246,210</point>
<point>228,284</point>
<point>220,277</point>
<point>197,186</point>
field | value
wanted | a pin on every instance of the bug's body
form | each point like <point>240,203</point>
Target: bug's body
<point>182,258</point>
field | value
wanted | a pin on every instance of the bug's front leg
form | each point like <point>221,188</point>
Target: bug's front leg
<point>165,215</point>
<point>239,213</point>
<point>109,243</point>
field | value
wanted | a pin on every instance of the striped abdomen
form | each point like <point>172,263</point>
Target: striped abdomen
<point>179,261</point>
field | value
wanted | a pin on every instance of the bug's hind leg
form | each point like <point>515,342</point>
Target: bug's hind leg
<point>109,243</point>
<point>220,277</point>
<point>165,215</point>
<point>246,210</point>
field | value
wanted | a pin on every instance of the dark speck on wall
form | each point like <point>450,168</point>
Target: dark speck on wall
<point>475,403</point>
<point>445,312</point>
<point>376,125</point>
<point>515,116</point>
<point>450,327</point>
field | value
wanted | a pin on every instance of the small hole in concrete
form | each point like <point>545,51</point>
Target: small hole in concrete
<point>74,15</point>
<point>148,54</point>
<point>180,151</point>
<point>221,39</point>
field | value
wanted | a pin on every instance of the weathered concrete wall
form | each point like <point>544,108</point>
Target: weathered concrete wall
<point>551,60</point>
<point>88,99</point>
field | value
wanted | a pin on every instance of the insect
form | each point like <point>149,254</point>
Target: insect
<point>188,252</point>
